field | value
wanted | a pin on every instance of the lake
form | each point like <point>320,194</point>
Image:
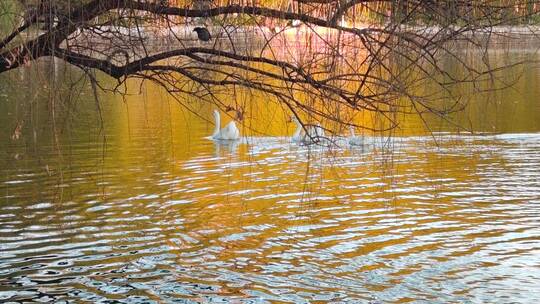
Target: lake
<point>127,201</point>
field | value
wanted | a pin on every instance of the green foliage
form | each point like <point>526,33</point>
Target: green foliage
<point>10,15</point>
<point>534,19</point>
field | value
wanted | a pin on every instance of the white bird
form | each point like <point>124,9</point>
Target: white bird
<point>314,133</point>
<point>298,133</point>
<point>296,23</point>
<point>229,132</point>
<point>355,140</point>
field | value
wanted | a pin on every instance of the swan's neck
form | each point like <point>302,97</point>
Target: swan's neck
<point>217,121</point>
<point>351,130</point>
<point>319,131</point>
<point>298,129</point>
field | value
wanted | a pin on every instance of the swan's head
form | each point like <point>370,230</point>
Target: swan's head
<point>293,119</point>
<point>216,114</point>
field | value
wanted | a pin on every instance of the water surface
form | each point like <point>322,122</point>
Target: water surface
<point>138,206</point>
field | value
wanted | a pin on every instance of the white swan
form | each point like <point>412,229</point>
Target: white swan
<point>296,23</point>
<point>229,132</point>
<point>298,133</point>
<point>355,140</point>
<point>314,133</point>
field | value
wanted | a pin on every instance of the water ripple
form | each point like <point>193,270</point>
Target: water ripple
<point>272,222</point>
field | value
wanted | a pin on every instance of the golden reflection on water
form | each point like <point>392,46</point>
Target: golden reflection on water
<point>149,209</point>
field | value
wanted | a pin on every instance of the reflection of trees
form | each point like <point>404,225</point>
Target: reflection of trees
<point>350,56</point>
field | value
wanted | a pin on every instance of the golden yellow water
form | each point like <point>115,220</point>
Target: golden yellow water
<point>146,209</point>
